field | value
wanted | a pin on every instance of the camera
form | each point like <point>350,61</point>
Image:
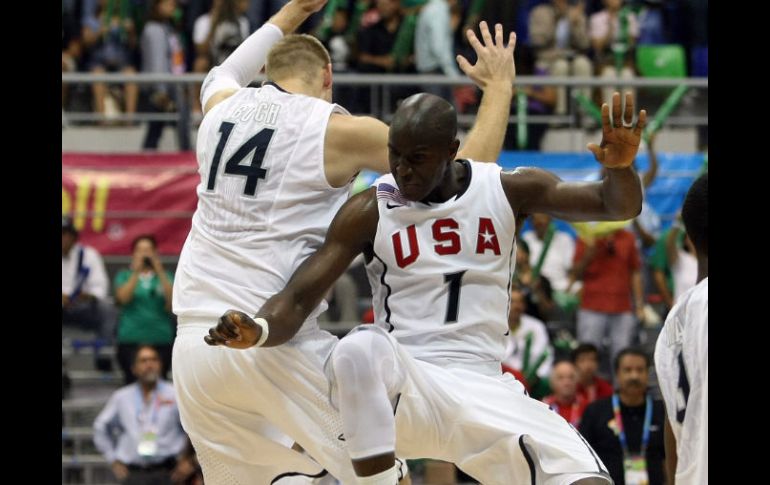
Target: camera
<point>148,262</point>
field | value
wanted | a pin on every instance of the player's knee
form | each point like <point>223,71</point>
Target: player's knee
<point>360,357</point>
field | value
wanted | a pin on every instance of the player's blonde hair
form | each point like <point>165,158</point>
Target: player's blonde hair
<point>296,56</point>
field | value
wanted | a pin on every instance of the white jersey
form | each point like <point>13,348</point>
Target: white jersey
<point>684,341</point>
<point>441,272</point>
<point>264,204</point>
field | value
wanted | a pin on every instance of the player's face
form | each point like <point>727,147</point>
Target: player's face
<point>632,373</point>
<point>417,165</point>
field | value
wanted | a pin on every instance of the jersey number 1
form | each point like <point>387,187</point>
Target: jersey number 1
<point>453,303</point>
<point>254,171</point>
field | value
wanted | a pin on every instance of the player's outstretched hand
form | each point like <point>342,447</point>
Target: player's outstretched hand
<point>620,138</point>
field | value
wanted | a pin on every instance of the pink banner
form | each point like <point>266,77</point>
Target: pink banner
<point>114,198</point>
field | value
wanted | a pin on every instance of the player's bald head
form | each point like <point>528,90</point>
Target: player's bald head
<point>426,117</point>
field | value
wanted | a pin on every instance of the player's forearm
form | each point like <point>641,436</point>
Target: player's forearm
<point>621,193</point>
<point>285,313</point>
<point>485,140</point>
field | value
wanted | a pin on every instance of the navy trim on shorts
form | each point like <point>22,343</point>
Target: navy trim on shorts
<point>390,290</point>
<point>295,474</point>
<point>530,462</point>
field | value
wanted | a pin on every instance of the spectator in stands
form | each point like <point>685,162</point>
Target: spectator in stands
<point>71,45</point>
<point>144,294</point>
<point>434,45</point>
<point>139,431</point>
<point>589,385</point>
<point>558,32</point>
<point>109,32</point>
<point>216,34</point>
<point>609,267</point>
<point>528,349</point>
<point>541,100</point>
<point>161,53</point>
<point>613,32</point>
<point>674,265</point>
<point>550,251</point>
<point>84,285</point>
<point>626,430</point>
<point>565,399</point>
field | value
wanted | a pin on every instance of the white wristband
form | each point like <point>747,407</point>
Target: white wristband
<point>265,331</point>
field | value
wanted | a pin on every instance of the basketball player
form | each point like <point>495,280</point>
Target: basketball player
<point>276,163</point>
<point>438,237</point>
<point>681,356</point>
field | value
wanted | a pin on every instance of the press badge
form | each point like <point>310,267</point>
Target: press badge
<point>636,471</point>
<point>148,445</point>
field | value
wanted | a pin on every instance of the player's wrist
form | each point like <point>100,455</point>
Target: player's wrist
<point>264,331</point>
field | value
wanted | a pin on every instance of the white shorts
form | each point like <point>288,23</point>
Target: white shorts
<point>243,409</point>
<point>486,425</point>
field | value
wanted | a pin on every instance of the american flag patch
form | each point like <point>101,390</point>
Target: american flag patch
<point>389,192</point>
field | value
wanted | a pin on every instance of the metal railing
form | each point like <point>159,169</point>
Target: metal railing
<point>380,88</point>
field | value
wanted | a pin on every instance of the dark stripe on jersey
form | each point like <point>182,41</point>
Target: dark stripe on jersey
<point>684,385</point>
<point>467,181</point>
<point>382,280</point>
<point>296,474</point>
<point>591,450</point>
<point>528,458</point>
<point>279,88</point>
<point>511,268</point>
<point>395,406</point>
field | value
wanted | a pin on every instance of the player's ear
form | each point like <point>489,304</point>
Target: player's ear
<point>327,76</point>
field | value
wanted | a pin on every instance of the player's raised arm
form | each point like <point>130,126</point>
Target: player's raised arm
<point>352,229</point>
<point>244,64</point>
<point>617,197</point>
<point>494,73</point>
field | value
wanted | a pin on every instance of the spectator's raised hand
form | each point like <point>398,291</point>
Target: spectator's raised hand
<point>235,330</point>
<point>495,64</point>
<point>620,139</point>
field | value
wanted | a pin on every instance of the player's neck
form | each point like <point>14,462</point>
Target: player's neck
<point>452,182</point>
<point>297,86</point>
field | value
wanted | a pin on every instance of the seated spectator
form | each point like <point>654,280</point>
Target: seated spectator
<point>434,45</point>
<point>144,294</point>
<point>558,32</point>
<point>565,399</point>
<point>216,34</point>
<point>613,32</point>
<point>139,431</point>
<point>84,285</point>
<point>109,34</point>
<point>589,385</point>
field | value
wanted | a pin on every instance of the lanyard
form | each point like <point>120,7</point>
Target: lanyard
<point>621,429</point>
<point>141,411</point>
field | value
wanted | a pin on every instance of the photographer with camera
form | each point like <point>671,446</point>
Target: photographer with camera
<point>144,294</point>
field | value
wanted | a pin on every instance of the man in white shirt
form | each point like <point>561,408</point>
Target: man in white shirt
<point>84,285</point>
<point>558,259</point>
